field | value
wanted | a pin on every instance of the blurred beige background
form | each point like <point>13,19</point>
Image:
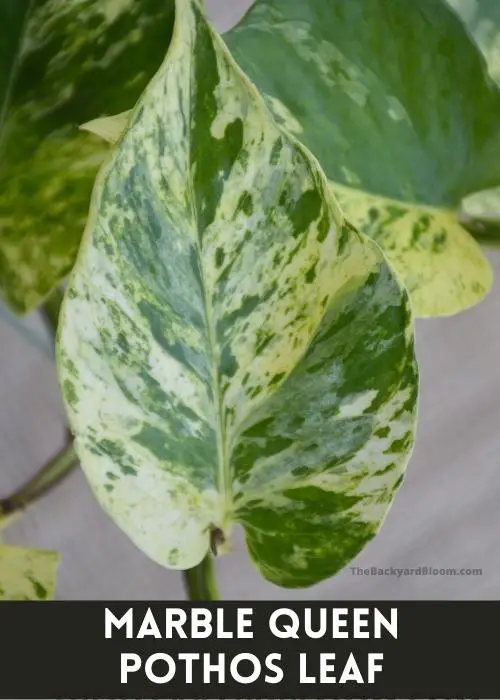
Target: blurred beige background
<point>446,515</point>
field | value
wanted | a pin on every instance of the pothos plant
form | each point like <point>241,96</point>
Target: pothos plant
<point>236,341</point>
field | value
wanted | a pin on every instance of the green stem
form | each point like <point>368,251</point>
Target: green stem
<point>199,582</point>
<point>50,475</point>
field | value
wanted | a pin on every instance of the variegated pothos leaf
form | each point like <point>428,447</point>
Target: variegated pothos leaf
<point>63,62</point>
<point>394,99</point>
<point>482,18</point>
<point>27,574</point>
<point>230,350</point>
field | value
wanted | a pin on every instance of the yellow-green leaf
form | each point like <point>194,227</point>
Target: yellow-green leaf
<point>27,574</point>
<point>394,99</point>
<point>443,267</point>
<point>62,63</point>
<point>230,350</point>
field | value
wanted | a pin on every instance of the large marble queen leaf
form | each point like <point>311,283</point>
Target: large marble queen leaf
<point>27,574</point>
<point>395,100</point>
<point>62,62</point>
<point>230,350</point>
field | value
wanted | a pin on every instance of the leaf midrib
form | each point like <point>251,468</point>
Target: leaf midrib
<point>223,481</point>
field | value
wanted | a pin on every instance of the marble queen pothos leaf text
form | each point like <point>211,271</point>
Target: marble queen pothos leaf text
<point>230,350</point>
<point>394,99</point>
<point>62,62</point>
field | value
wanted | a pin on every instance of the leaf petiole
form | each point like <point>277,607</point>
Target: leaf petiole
<point>199,581</point>
<point>50,475</point>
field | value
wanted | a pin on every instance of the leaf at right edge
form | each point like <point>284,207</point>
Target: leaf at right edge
<point>482,19</point>
<point>228,350</point>
<point>27,574</point>
<point>481,210</point>
<point>393,99</point>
